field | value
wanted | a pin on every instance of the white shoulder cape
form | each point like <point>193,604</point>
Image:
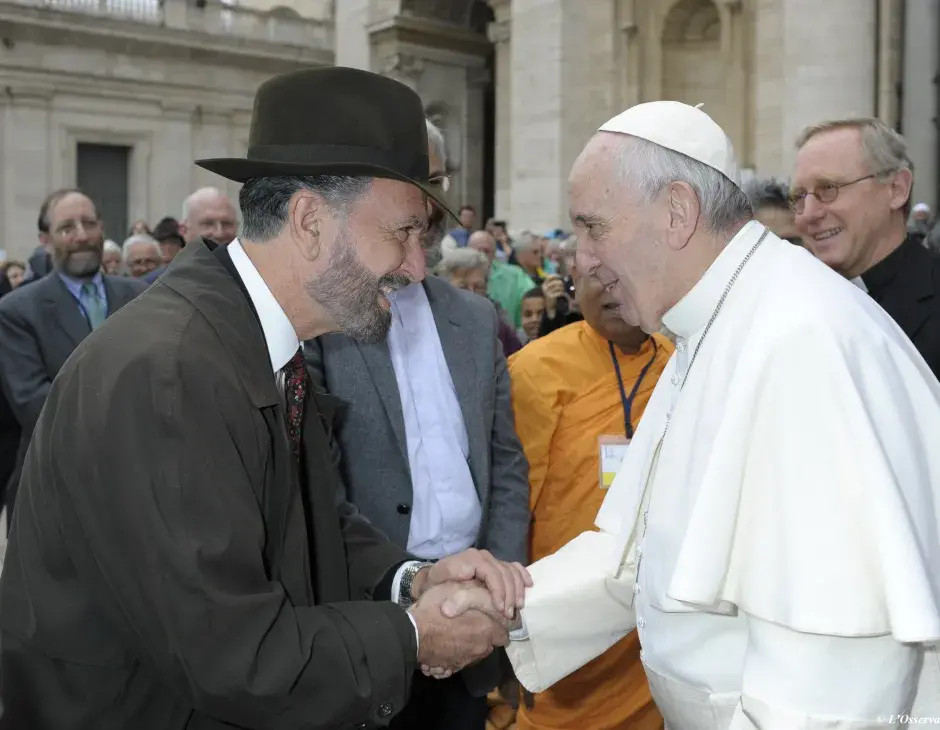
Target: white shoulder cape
<point>817,497</point>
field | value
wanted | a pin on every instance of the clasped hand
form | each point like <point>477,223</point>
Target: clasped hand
<point>465,606</point>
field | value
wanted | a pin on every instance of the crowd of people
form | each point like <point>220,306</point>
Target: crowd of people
<point>280,463</point>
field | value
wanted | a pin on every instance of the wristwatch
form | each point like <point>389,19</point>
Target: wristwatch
<point>405,597</point>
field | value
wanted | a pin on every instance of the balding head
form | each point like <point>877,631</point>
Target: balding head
<point>208,213</point>
<point>483,242</point>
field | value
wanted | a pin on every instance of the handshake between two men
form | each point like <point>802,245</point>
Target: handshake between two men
<point>465,606</point>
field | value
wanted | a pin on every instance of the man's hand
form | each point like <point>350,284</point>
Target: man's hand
<point>554,289</point>
<point>506,582</point>
<point>454,643</point>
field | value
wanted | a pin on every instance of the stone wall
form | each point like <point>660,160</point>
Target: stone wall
<point>171,94</point>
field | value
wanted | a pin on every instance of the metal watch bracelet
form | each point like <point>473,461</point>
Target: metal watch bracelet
<point>405,597</point>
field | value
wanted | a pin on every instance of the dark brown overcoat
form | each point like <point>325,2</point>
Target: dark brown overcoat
<point>167,567</point>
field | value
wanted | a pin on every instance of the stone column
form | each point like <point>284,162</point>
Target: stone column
<point>353,47</point>
<point>920,115</point>
<point>737,101</point>
<point>627,54</point>
<point>171,169</point>
<point>796,88</point>
<point>500,34</point>
<point>403,67</point>
<point>563,89</point>
<point>537,183</point>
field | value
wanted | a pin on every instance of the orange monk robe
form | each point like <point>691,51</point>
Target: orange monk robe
<point>565,397</point>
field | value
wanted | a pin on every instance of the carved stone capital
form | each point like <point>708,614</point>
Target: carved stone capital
<point>403,66</point>
<point>629,29</point>
<point>499,31</point>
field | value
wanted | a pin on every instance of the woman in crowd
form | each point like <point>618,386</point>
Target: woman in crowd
<point>11,275</point>
<point>468,269</point>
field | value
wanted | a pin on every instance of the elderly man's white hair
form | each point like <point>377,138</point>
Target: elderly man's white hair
<point>111,247</point>
<point>525,241</point>
<point>134,240</point>
<point>463,259</point>
<point>646,168</point>
<point>199,196</point>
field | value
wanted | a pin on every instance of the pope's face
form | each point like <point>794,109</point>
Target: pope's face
<point>618,238</point>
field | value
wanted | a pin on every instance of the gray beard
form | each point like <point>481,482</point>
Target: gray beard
<point>81,264</point>
<point>349,292</point>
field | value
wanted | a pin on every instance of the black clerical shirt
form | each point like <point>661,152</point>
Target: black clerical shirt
<point>906,283</point>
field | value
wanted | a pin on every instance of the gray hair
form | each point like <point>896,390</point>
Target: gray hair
<point>525,241</point>
<point>111,247</point>
<point>436,138</point>
<point>768,193</point>
<point>264,200</point>
<point>884,150</point>
<point>139,238</point>
<point>648,168</point>
<point>462,259</point>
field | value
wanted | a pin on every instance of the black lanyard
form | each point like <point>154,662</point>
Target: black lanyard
<point>627,401</point>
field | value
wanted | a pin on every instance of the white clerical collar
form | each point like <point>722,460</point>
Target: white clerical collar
<point>691,313</point>
<point>278,331</point>
<point>860,283</point>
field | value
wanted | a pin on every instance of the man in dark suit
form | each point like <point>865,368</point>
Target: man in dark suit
<point>183,556</point>
<point>41,324</point>
<point>443,470</point>
<point>851,195</point>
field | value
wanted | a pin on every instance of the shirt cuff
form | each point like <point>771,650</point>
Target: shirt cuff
<point>520,633</point>
<point>396,582</point>
<point>417,635</point>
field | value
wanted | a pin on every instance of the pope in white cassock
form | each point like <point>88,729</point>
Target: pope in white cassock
<point>773,531</point>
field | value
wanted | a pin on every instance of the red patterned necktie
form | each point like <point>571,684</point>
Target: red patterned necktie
<point>295,388</point>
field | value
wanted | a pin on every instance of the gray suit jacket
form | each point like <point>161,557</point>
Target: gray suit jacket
<point>40,325</point>
<point>371,430</point>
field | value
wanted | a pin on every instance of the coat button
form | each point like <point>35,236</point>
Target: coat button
<point>404,509</point>
<point>385,709</point>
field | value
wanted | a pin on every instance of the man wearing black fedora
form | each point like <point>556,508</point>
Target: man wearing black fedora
<point>190,562</point>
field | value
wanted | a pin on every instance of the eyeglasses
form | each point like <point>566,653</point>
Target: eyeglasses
<point>440,181</point>
<point>70,228</point>
<point>825,193</point>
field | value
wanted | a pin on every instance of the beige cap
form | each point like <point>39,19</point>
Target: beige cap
<point>681,128</point>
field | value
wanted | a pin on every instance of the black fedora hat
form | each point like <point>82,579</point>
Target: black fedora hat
<point>334,121</point>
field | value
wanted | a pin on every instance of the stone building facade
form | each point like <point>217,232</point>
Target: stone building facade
<point>124,94</point>
<point>120,96</point>
<point>764,69</point>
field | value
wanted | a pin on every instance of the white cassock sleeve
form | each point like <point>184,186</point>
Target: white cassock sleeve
<point>574,612</point>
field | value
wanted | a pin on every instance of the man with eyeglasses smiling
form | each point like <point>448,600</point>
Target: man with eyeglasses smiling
<point>851,198</point>
<point>41,324</point>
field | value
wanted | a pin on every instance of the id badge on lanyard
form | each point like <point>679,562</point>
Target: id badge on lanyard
<point>612,448</point>
<point>612,451</point>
